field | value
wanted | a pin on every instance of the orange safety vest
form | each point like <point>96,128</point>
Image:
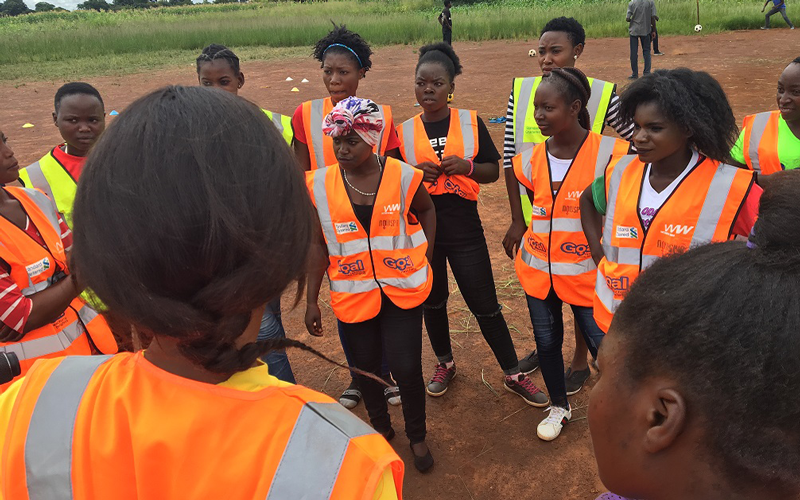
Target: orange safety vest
<point>390,259</point>
<point>33,269</point>
<point>97,427</point>
<point>760,144</point>
<point>702,209</point>
<point>320,146</point>
<point>462,141</point>
<point>554,252</point>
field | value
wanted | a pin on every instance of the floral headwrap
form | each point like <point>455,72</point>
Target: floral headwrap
<point>361,116</point>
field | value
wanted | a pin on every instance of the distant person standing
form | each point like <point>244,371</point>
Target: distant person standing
<point>447,23</point>
<point>640,17</point>
<point>777,6</point>
<point>654,34</point>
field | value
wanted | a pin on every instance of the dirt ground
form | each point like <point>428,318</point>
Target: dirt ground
<point>484,439</point>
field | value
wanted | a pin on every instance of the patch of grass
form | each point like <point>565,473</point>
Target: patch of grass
<point>66,45</point>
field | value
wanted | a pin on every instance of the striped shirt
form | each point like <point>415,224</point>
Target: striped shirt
<point>15,307</point>
<point>613,119</point>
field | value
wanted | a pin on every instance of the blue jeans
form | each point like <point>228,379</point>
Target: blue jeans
<point>645,41</point>
<point>548,330</point>
<point>272,328</point>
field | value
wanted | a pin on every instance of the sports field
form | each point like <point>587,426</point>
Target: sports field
<point>483,438</point>
<point>75,45</point>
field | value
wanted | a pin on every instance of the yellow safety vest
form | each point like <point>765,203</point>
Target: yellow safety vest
<point>283,123</point>
<point>51,177</point>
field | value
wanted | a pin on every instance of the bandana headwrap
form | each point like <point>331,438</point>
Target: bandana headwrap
<point>361,116</point>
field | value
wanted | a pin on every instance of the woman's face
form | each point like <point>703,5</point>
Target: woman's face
<point>432,85</point>
<point>10,166</point>
<point>551,111</point>
<point>556,51</point>
<point>351,150</point>
<point>80,119</point>
<point>789,93</point>
<point>341,74</point>
<point>219,74</point>
<point>655,136</point>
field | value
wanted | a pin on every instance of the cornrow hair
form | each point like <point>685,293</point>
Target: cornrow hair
<point>577,88</point>
<point>441,53</point>
<point>75,88</point>
<point>355,47</point>
<point>216,51</point>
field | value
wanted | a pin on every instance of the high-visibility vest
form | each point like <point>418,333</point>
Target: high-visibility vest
<point>283,123</point>
<point>95,427</point>
<point>462,141</point>
<point>320,146</point>
<point>702,209</point>
<point>390,259</point>
<point>760,143</point>
<point>526,131</point>
<point>51,177</point>
<point>554,252</point>
<point>33,269</point>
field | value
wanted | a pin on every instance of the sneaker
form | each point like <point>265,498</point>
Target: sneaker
<point>658,53</point>
<point>764,28</point>
<point>575,380</point>
<point>526,389</point>
<point>549,428</point>
<point>633,77</point>
<point>392,395</point>
<point>440,380</point>
<point>351,396</point>
<point>529,363</point>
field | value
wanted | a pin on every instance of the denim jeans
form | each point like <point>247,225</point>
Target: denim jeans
<point>645,41</point>
<point>774,11</point>
<point>399,332</point>
<point>472,268</point>
<point>272,328</point>
<point>548,330</point>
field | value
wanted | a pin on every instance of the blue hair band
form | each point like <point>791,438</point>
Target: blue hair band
<point>360,64</point>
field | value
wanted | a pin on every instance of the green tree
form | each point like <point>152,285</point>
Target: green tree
<point>44,7</point>
<point>14,8</point>
<point>97,5</point>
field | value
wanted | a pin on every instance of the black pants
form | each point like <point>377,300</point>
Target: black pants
<point>398,332</point>
<point>774,11</point>
<point>655,39</point>
<point>447,36</point>
<point>460,241</point>
<point>645,41</point>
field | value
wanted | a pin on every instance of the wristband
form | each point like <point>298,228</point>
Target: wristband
<point>471,167</point>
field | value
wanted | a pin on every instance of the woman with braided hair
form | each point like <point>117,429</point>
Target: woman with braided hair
<point>554,264</point>
<point>172,237</point>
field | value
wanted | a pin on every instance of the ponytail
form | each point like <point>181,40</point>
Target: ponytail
<point>577,88</point>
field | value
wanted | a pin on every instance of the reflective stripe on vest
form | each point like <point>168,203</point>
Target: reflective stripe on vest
<point>462,141</point>
<point>312,442</point>
<point>760,144</point>
<point>283,123</point>
<point>49,176</point>
<point>47,207</point>
<point>30,349</point>
<point>48,447</point>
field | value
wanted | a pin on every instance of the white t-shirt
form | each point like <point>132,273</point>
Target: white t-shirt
<point>558,170</point>
<point>651,200</point>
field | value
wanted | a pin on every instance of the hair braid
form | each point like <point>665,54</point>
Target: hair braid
<point>581,89</point>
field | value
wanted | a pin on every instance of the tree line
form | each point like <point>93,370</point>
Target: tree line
<point>19,7</point>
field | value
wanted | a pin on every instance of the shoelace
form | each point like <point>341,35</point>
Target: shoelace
<point>556,415</point>
<point>440,374</point>
<point>528,385</point>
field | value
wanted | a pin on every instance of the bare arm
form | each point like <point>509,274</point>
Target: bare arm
<point>46,307</point>
<point>592,222</point>
<point>395,153</point>
<point>483,173</point>
<point>517,229</point>
<point>317,265</point>
<point>303,157</point>
<point>426,213</point>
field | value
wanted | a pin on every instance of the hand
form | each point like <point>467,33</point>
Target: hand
<point>7,334</point>
<point>513,238</point>
<point>453,165</point>
<point>430,171</point>
<point>313,319</point>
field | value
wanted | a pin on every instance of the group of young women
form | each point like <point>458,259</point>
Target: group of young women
<point>189,274</point>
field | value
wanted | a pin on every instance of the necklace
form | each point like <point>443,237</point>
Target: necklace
<point>362,193</point>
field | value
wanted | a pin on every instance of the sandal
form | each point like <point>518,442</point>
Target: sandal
<point>351,396</point>
<point>392,395</point>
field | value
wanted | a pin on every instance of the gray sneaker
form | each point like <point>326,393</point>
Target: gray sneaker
<point>529,363</point>
<point>575,380</point>
<point>440,380</point>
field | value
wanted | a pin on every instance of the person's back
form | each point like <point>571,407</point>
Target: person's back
<point>640,14</point>
<point>170,235</point>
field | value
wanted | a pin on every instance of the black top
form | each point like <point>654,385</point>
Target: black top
<point>364,215</point>
<point>437,134</point>
<point>447,21</point>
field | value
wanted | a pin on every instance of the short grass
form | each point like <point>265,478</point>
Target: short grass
<point>70,45</point>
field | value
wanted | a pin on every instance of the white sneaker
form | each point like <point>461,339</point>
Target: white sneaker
<point>549,428</point>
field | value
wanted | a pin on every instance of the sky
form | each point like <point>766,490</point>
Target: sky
<point>66,4</point>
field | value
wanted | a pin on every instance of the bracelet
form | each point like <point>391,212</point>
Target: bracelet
<point>471,167</point>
